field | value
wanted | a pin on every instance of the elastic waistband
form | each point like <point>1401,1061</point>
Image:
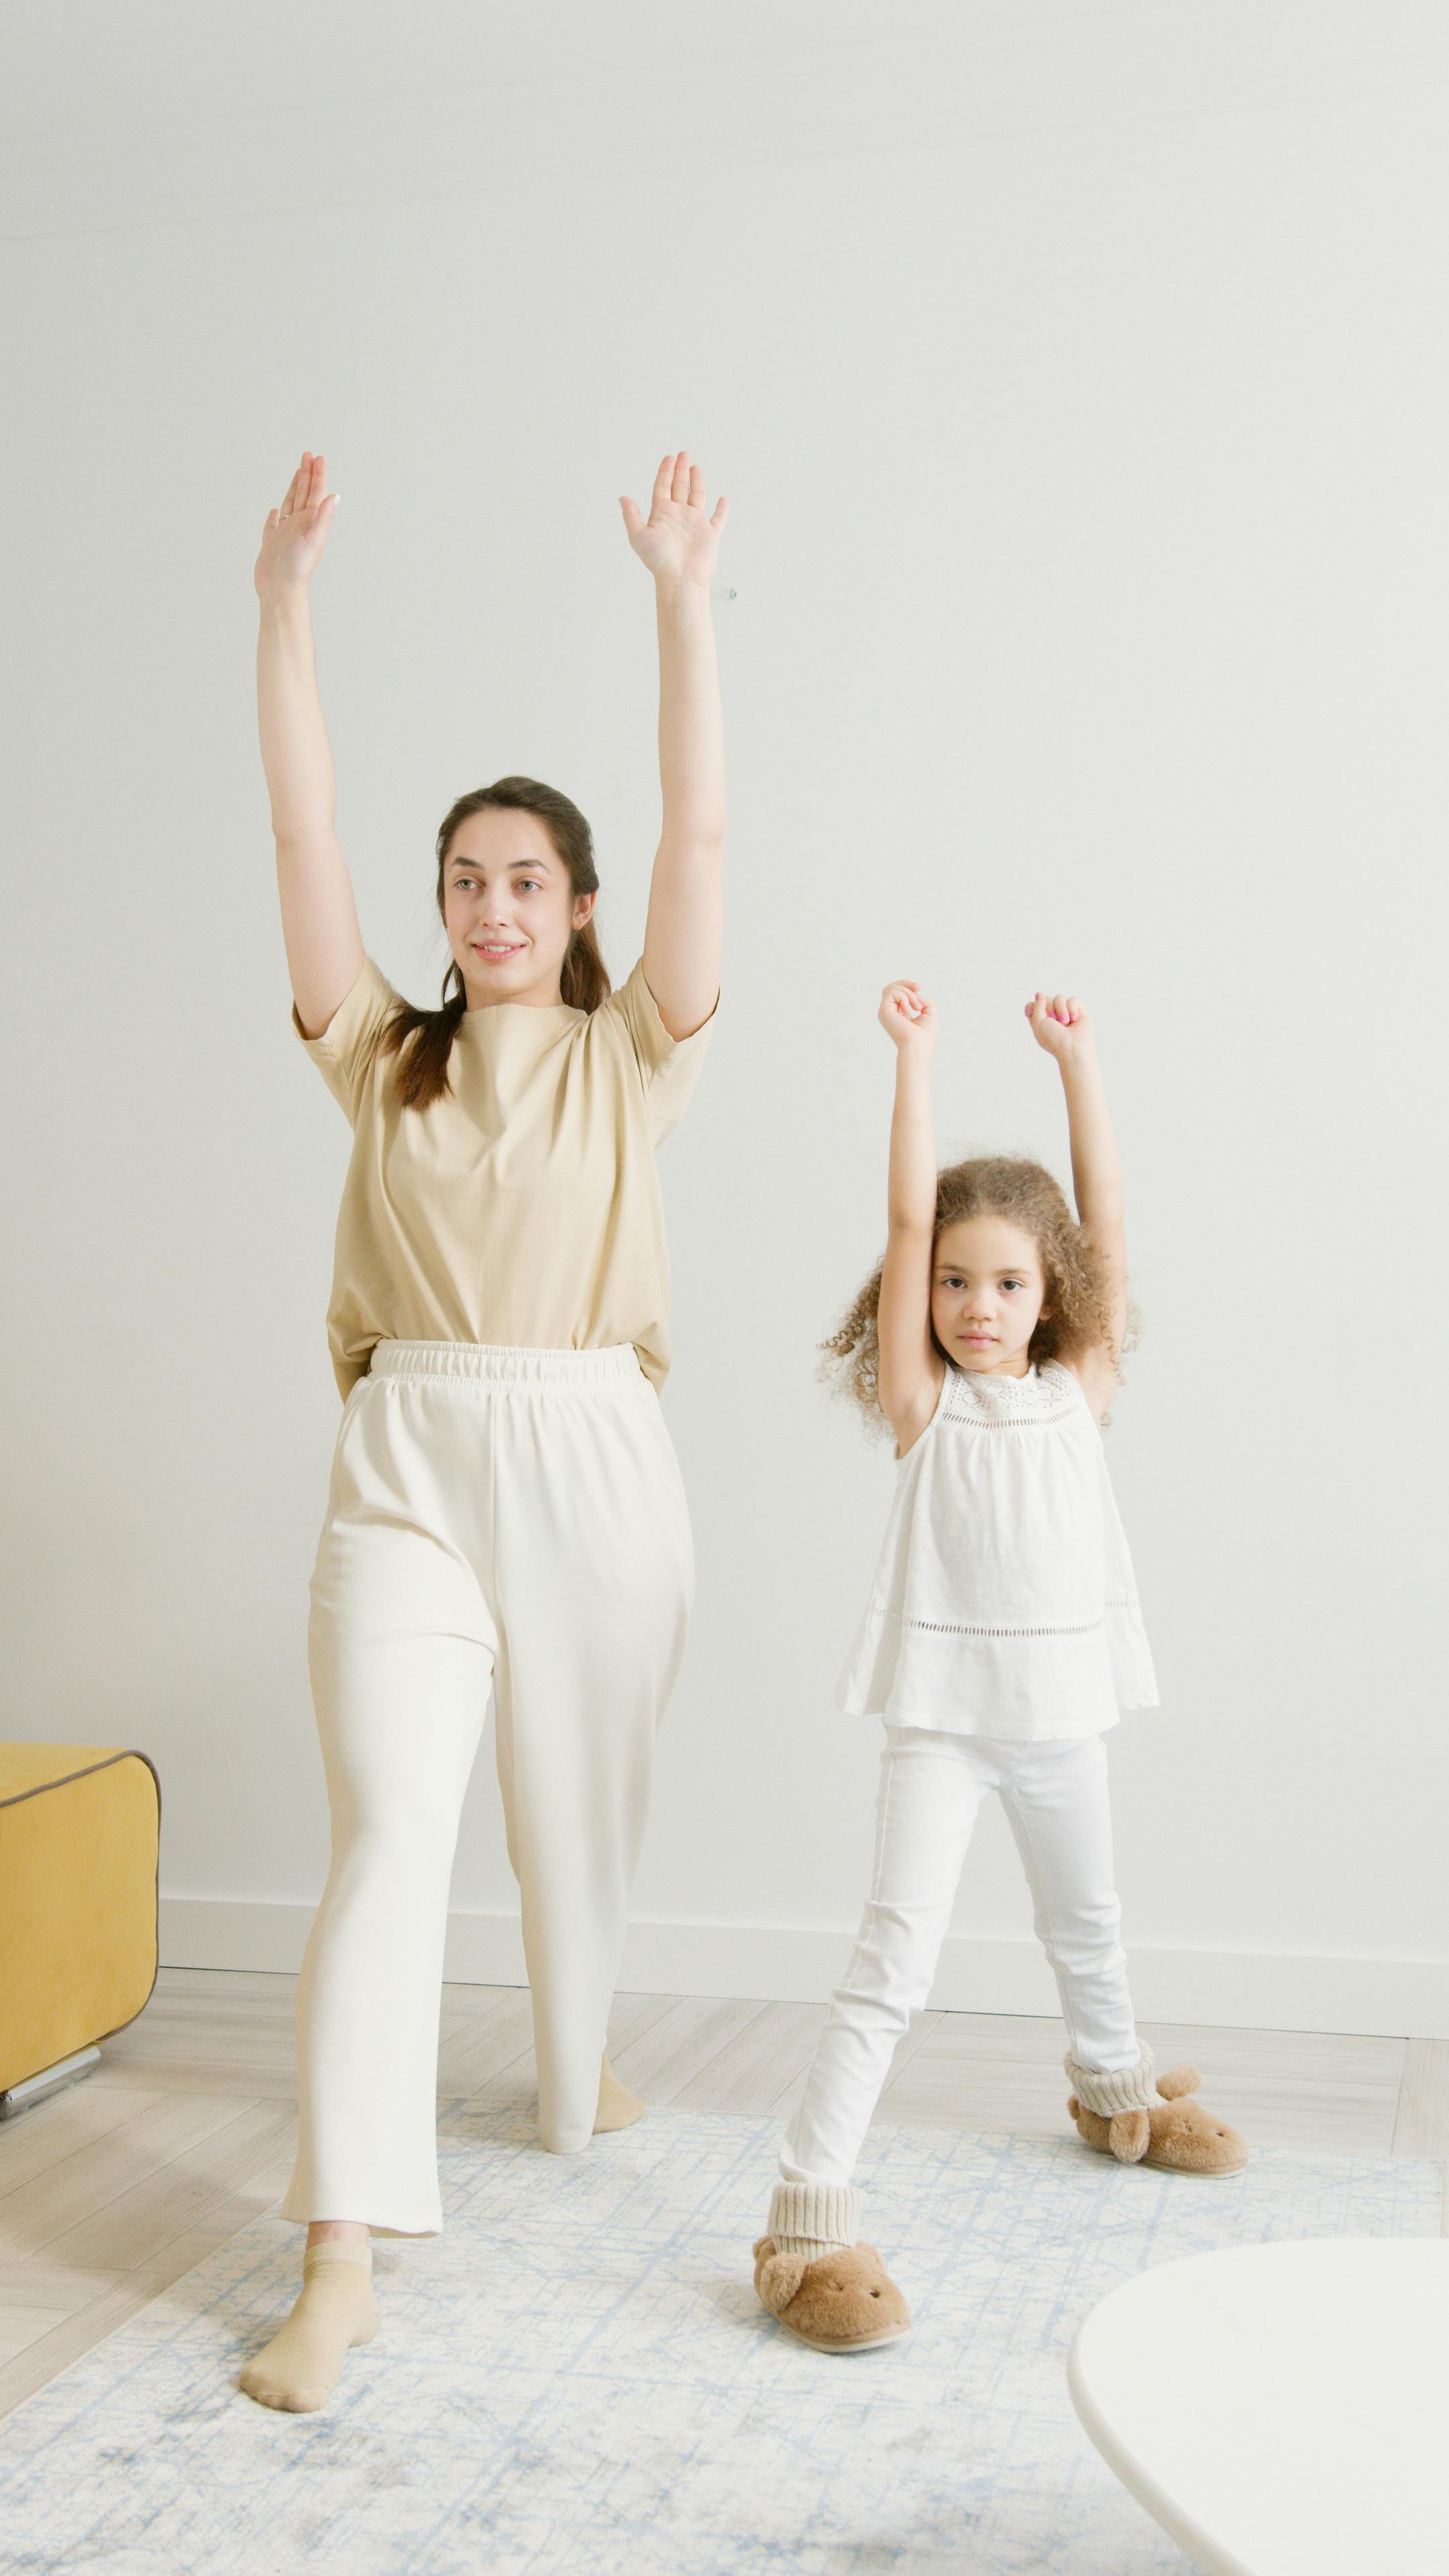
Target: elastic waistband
<point>507,1363</point>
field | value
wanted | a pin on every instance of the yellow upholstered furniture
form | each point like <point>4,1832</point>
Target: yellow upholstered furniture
<point>79,1830</point>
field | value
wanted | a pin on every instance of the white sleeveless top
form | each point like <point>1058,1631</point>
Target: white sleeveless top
<point>1004,1601</point>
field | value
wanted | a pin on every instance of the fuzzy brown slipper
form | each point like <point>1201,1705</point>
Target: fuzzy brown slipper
<point>1175,2136</point>
<point>845,2301</point>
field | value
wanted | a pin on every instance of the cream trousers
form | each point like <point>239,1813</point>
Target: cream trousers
<point>931,1792</point>
<point>506,1517</point>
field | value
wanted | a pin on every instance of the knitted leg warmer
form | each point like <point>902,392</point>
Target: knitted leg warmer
<point>813,2218</point>
<point>1135,2089</point>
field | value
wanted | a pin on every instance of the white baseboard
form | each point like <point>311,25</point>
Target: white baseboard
<point>1242,1989</point>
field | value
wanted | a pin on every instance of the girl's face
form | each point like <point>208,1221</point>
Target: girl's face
<point>988,1293</point>
<point>509,908</point>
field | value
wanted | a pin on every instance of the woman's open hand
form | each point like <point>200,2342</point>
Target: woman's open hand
<point>678,541</point>
<point>1059,1023</point>
<point>906,1016</point>
<point>294,536</point>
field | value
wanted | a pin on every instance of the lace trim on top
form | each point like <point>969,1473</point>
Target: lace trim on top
<point>959,1628</point>
<point>969,1628</point>
<point>1045,1394</point>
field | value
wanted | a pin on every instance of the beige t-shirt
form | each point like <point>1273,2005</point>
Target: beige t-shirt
<point>521,1207</point>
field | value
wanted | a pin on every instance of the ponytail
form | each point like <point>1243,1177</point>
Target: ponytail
<point>423,1073</point>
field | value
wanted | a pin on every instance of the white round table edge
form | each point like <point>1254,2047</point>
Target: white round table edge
<point>1206,2553</point>
<point>1209,2553</point>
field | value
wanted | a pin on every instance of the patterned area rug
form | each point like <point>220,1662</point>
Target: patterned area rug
<point>575,2379</point>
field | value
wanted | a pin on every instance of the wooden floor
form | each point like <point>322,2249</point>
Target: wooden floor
<point>111,2191</point>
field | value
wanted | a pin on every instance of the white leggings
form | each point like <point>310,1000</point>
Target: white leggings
<point>506,1517</point>
<point>931,1791</point>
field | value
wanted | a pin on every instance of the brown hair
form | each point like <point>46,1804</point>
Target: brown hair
<point>1078,1317</point>
<point>583,978</point>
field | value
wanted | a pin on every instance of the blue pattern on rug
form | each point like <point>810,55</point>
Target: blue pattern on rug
<point>576,2378</point>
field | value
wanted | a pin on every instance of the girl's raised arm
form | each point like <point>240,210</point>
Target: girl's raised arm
<point>910,1368</point>
<point>319,913</point>
<point>1059,1023</point>
<point>684,930</point>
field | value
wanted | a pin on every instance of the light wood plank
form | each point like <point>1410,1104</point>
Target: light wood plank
<point>1422,2125</point>
<point>213,2074</point>
<point>41,2283</point>
<point>907,2046</point>
<point>79,2333</point>
<point>197,2036</point>
<point>1307,2091</point>
<point>631,2015</point>
<point>481,2050</point>
<point>495,2071</point>
<point>1312,2092</point>
<point>93,2176</point>
<point>922,2025</point>
<point>224,1985</point>
<point>680,2046</point>
<point>35,2141</point>
<point>491,2008</point>
<point>101,2301</point>
<point>978,2071</point>
<point>463,2004</point>
<point>172,2026</point>
<point>20,2327</point>
<point>752,2072</point>
<point>177,2195</point>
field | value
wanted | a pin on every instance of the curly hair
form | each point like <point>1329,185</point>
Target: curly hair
<point>1078,1316</point>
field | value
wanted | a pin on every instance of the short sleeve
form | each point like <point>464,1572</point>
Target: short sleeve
<point>670,1066</point>
<point>344,1052</point>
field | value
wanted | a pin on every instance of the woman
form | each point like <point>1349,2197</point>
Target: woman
<point>505,1509</point>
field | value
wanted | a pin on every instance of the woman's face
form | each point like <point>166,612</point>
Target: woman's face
<point>509,908</point>
<point>987,1294</point>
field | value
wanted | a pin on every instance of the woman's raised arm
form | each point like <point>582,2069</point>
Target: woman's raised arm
<point>684,930</point>
<point>319,912</point>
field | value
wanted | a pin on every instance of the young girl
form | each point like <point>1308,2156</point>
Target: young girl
<point>506,1511</point>
<point>1003,1636</point>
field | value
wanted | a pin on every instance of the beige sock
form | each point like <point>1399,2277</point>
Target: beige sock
<point>301,2366</point>
<point>813,2218</point>
<point>617,2106</point>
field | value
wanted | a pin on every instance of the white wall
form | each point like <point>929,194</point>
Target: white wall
<point>1081,401</point>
